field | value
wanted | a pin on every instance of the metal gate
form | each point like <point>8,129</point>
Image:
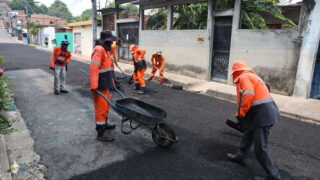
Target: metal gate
<point>129,34</point>
<point>221,48</point>
<point>315,88</point>
<point>77,43</point>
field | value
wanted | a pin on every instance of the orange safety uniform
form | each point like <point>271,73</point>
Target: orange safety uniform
<point>140,65</point>
<point>101,79</point>
<point>257,106</point>
<point>59,57</point>
<point>157,61</point>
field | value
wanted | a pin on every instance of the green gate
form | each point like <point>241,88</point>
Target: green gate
<point>65,35</point>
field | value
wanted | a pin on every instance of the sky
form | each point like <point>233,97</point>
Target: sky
<point>75,6</point>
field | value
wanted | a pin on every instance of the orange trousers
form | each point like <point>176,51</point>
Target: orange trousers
<point>153,72</point>
<point>101,106</point>
<point>139,77</point>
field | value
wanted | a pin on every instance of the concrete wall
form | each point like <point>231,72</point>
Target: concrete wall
<point>184,53</point>
<point>86,38</point>
<point>50,33</point>
<point>273,54</point>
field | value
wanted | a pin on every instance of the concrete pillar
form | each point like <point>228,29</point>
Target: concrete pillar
<point>169,18</point>
<point>236,20</point>
<point>308,54</point>
<point>210,29</point>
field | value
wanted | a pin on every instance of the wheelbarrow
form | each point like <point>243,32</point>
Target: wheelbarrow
<point>138,113</point>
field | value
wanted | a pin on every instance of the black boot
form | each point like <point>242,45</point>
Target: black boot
<point>236,159</point>
<point>136,86</point>
<point>101,136</point>
<point>64,91</point>
<point>56,92</point>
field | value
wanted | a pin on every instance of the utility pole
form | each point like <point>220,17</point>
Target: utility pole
<point>94,21</point>
<point>27,17</point>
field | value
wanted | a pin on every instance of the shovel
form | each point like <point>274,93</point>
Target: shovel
<point>173,86</point>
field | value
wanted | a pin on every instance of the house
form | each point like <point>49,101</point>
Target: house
<point>83,38</point>
<point>284,57</point>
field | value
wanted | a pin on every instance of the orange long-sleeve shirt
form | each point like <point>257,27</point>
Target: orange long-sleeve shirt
<point>57,52</point>
<point>157,60</point>
<point>139,54</point>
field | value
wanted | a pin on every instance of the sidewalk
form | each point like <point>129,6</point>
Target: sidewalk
<point>299,108</point>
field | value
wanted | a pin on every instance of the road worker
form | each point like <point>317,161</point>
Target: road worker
<point>101,79</point>
<point>140,68</point>
<point>256,115</point>
<point>114,56</point>
<point>157,60</point>
<point>61,57</point>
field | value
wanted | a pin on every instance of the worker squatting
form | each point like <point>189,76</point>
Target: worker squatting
<point>257,111</point>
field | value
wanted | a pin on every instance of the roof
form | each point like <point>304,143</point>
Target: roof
<point>80,23</point>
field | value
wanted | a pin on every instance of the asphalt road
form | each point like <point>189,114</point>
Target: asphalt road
<point>63,129</point>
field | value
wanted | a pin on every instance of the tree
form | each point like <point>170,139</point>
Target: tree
<point>251,19</point>
<point>86,15</point>
<point>158,20</point>
<point>33,8</point>
<point>33,28</point>
<point>60,9</point>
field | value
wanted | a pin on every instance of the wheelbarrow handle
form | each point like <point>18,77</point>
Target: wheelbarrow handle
<point>117,90</point>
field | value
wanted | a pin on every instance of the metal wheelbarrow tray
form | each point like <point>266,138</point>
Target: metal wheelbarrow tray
<point>141,113</point>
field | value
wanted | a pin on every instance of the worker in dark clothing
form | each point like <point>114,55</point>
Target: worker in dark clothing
<point>257,113</point>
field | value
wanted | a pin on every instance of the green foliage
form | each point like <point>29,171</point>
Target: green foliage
<point>60,9</point>
<point>191,16</point>
<point>32,6</point>
<point>33,27</point>
<point>158,20</point>
<point>251,18</point>
<point>5,127</point>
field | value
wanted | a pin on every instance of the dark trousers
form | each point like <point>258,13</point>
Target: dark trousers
<point>259,139</point>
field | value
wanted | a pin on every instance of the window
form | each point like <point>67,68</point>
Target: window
<point>109,22</point>
<point>155,19</point>
<point>51,22</point>
<point>190,16</point>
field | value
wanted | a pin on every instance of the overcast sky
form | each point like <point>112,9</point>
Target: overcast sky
<point>75,6</point>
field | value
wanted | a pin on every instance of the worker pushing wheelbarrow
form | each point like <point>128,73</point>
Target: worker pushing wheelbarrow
<point>138,113</point>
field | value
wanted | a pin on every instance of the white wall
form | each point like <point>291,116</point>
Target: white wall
<point>181,48</point>
<point>274,54</point>
<point>50,32</point>
<point>86,38</point>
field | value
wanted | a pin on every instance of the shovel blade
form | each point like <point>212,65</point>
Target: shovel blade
<point>234,125</point>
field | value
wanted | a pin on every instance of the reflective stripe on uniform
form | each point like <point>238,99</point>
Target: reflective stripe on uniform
<point>96,62</point>
<point>100,123</point>
<point>249,91</point>
<point>262,101</point>
<point>105,70</point>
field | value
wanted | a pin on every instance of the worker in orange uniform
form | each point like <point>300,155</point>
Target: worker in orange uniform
<point>140,66</point>
<point>157,60</point>
<point>61,57</point>
<point>101,79</point>
<point>256,115</point>
<point>114,56</point>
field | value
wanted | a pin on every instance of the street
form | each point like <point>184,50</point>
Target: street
<point>63,129</point>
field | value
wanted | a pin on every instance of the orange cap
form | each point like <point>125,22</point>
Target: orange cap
<point>133,48</point>
<point>239,66</point>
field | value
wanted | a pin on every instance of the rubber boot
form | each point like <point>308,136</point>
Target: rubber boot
<point>136,86</point>
<point>64,91</point>
<point>101,136</point>
<point>142,90</point>
<point>56,92</point>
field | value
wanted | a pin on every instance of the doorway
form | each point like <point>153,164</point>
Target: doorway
<point>221,48</point>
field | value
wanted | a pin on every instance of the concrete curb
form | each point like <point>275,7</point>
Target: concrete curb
<point>4,161</point>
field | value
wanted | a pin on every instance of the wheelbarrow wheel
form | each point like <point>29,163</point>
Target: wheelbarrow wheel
<point>163,135</point>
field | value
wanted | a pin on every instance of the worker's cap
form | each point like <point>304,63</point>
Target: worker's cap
<point>133,48</point>
<point>65,42</point>
<point>107,36</point>
<point>239,66</point>
<point>159,53</point>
